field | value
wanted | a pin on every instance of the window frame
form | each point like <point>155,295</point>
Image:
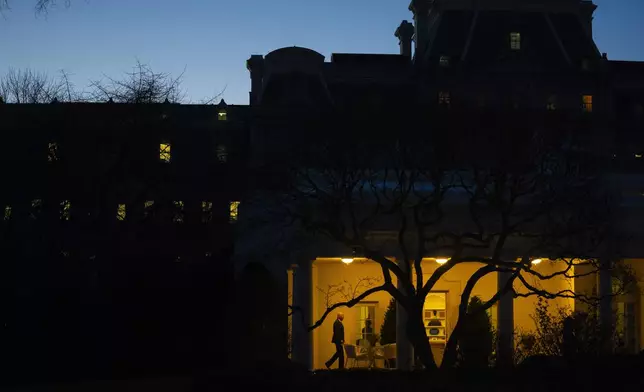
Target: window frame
<point>165,152</point>
<point>515,41</point>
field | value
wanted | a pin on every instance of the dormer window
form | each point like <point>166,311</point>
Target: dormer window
<point>65,210</point>
<point>515,41</point>
<point>222,115</point>
<point>52,153</point>
<point>444,61</point>
<point>233,209</point>
<point>222,153</point>
<point>552,103</point>
<point>587,103</point>
<point>164,152</point>
<point>120,212</point>
<point>444,98</point>
<point>178,211</point>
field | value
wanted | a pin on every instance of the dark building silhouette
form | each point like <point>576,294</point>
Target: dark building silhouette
<point>118,220</point>
<point>117,232</point>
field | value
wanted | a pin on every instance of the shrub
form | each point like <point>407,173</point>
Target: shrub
<point>476,343</point>
<point>388,328</point>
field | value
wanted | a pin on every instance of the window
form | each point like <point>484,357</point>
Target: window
<point>65,210</point>
<point>148,207</point>
<point>178,212</point>
<point>626,327</point>
<point>444,98</point>
<point>515,41</point>
<point>164,152</point>
<point>206,211</point>
<point>366,324</point>
<point>36,207</point>
<point>222,115</point>
<point>552,103</point>
<point>120,212</point>
<point>587,103</point>
<point>234,211</point>
<point>444,61</point>
<point>7,213</point>
<point>222,153</point>
<point>435,316</point>
<point>52,152</point>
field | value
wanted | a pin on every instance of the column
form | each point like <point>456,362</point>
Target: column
<point>606,303</point>
<point>505,323</point>
<point>404,351</point>
<point>302,339</point>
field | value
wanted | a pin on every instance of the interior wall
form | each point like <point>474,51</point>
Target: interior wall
<point>329,273</point>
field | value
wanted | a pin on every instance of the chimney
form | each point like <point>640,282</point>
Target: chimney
<point>421,8</point>
<point>255,65</point>
<point>586,10</point>
<point>405,33</point>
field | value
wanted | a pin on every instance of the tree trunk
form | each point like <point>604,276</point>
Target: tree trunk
<point>418,339</point>
<point>451,348</point>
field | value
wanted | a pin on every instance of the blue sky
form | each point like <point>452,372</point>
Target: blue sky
<point>212,39</point>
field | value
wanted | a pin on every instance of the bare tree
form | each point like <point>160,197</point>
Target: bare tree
<point>142,85</point>
<point>525,190</point>
<point>29,86</point>
<point>41,6</point>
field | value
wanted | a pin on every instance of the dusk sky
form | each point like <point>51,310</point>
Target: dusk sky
<point>212,39</point>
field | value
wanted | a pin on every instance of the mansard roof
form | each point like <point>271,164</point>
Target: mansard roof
<point>550,41</point>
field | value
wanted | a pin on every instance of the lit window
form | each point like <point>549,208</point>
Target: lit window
<point>65,210</point>
<point>444,98</point>
<point>587,103</point>
<point>444,61</point>
<point>234,211</point>
<point>222,153</point>
<point>120,212</point>
<point>365,322</point>
<point>7,213</point>
<point>52,152</point>
<point>36,207</point>
<point>147,208</point>
<point>208,254</point>
<point>178,212</point>
<point>552,103</point>
<point>206,211</point>
<point>515,41</point>
<point>222,115</point>
<point>164,152</point>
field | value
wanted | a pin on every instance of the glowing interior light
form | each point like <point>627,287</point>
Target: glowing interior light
<point>442,261</point>
<point>347,261</point>
<point>536,261</point>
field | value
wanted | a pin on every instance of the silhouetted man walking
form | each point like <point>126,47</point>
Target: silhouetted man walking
<point>338,340</point>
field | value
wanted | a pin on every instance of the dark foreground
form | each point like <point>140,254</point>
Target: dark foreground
<point>540,374</point>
